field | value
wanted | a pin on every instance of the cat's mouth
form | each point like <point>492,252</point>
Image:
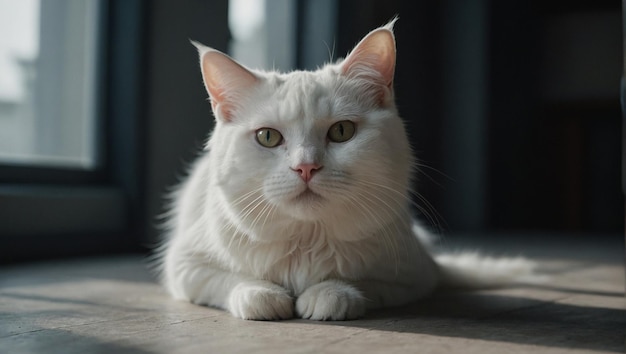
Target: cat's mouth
<point>308,196</point>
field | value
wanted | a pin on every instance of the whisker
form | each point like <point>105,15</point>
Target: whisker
<point>331,52</point>
<point>400,212</point>
<point>387,235</point>
<point>421,165</point>
<point>256,220</point>
<point>270,212</point>
<point>427,210</point>
<point>245,196</point>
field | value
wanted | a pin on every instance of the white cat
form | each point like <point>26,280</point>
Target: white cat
<point>300,205</point>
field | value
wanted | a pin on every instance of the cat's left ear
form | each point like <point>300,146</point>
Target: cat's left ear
<point>374,59</point>
<point>226,80</point>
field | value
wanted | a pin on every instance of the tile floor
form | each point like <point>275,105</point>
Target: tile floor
<point>112,305</point>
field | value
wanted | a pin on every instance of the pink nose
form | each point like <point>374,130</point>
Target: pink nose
<point>306,170</point>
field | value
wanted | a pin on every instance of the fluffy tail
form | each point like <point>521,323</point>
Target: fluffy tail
<point>471,270</point>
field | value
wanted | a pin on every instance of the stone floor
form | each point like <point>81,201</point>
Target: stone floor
<point>112,305</point>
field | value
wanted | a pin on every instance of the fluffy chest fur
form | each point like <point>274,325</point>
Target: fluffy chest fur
<point>305,259</point>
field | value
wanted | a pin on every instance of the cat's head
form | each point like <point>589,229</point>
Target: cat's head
<point>324,146</point>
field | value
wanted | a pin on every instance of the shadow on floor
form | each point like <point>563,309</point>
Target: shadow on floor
<point>505,319</point>
<point>66,341</point>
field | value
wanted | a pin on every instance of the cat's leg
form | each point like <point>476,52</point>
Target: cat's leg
<point>340,300</point>
<point>260,300</point>
<point>242,296</point>
<point>331,300</point>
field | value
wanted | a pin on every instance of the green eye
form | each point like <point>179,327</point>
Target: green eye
<point>268,137</point>
<point>341,131</point>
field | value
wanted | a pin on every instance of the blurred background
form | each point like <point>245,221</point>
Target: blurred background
<point>512,107</point>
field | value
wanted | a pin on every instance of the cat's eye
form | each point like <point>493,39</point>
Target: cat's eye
<point>268,137</point>
<point>341,131</point>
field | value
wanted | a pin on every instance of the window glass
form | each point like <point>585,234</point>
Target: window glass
<point>48,53</point>
<point>263,33</point>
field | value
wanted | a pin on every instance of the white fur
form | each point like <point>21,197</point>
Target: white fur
<point>472,270</point>
<point>244,237</point>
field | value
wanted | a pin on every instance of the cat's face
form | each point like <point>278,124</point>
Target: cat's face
<point>310,146</point>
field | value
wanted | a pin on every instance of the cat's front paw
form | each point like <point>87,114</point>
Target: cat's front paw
<point>260,300</point>
<point>331,300</point>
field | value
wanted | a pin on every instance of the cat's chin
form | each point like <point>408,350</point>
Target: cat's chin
<point>306,205</point>
<point>308,197</point>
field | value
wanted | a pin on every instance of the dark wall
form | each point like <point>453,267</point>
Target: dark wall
<point>516,102</point>
<point>178,115</point>
<point>554,117</point>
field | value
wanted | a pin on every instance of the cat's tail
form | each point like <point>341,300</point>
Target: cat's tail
<point>471,270</point>
<point>474,270</point>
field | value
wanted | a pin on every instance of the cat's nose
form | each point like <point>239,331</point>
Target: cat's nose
<point>306,170</point>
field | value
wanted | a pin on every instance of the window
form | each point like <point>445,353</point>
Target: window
<point>65,97</point>
<point>263,33</point>
<point>49,51</point>
<point>282,34</point>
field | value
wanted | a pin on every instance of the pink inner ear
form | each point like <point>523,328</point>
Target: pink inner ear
<point>222,110</point>
<point>219,101</point>
<point>226,82</point>
<point>375,54</point>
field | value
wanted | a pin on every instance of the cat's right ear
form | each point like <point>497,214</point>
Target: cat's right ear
<point>374,59</point>
<point>225,80</point>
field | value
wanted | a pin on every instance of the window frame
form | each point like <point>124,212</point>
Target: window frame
<point>48,212</point>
